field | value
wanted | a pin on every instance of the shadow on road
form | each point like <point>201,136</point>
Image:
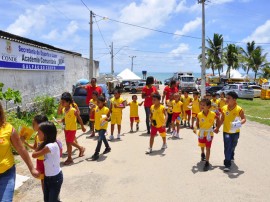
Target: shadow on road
<point>234,172</point>
<point>199,167</point>
<point>157,153</point>
<point>101,158</point>
<point>174,138</point>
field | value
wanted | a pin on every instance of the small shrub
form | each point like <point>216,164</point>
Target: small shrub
<point>45,105</point>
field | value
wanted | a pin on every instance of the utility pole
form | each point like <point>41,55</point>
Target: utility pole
<point>132,57</point>
<point>203,72</point>
<point>91,61</point>
<point>112,57</point>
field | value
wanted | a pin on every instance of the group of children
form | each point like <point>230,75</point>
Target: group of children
<point>208,114</point>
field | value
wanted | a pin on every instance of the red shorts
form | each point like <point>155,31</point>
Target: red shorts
<point>70,135</point>
<point>204,143</point>
<point>188,112</point>
<point>136,119</point>
<point>40,168</point>
<point>161,130</point>
<point>175,116</point>
<point>92,116</point>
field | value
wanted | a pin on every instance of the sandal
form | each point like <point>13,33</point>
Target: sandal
<point>82,152</point>
<point>68,162</point>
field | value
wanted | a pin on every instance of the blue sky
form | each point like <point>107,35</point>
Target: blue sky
<point>65,24</point>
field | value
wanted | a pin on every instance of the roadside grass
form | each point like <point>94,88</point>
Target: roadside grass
<point>256,108</point>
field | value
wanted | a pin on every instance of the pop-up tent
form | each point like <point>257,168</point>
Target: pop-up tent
<point>233,74</point>
<point>128,75</point>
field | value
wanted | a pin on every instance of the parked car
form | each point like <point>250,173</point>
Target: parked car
<point>242,90</point>
<point>79,97</point>
<point>138,87</point>
<point>213,89</point>
<point>167,82</point>
<point>257,90</point>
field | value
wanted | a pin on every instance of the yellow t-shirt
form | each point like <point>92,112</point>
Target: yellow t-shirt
<point>229,117</point>
<point>98,118</point>
<point>38,144</point>
<point>196,106</point>
<point>93,102</point>
<point>70,119</point>
<point>6,156</point>
<point>214,105</point>
<point>158,115</point>
<point>206,122</point>
<point>222,103</point>
<point>177,106</point>
<point>134,109</point>
<point>169,105</point>
<point>186,102</point>
<point>118,102</point>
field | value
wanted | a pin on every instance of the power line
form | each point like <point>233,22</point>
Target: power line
<point>85,5</point>
<point>101,33</point>
<point>166,32</point>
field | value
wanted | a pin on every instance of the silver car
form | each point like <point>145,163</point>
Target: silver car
<point>242,90</point>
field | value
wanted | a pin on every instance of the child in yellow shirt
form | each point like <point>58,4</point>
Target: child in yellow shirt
<point>102,116</point>
<point>177,109</point>
<point>71,117</point>
<point>222,101</point>
<point>92,106</point>
<point>169,112</point>
<point>195,107</point>
<point>187,109</point>
<point>158,122</point>
<point>40,160</point>
<point>134,112</point>
<point>205,121</point>
<point>232,117</point>
<point>117,105</point>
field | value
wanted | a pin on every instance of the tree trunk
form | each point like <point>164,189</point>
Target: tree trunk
<point>213,71</point>
<point>255,75</point>
<point>247,70</point>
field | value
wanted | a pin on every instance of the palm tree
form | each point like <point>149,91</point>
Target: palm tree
<point>247,54</point>
<point>231,58</point>
<point>258,60</point>
<point>266,72</point>
<point>215,50</point>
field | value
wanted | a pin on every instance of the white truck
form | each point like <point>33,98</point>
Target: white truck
<point>186,81</point>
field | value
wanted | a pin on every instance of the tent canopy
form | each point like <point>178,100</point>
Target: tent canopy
<point>233,73</point>
<point>128,75</point>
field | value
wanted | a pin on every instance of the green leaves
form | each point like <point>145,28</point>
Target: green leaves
<point>10,95</point>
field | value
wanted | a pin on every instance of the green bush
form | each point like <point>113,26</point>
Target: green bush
<point>45,105</point>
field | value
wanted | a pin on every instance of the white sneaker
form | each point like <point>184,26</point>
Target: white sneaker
<point>177,135</point>
<point>164,146</point>
<point>118,136</point>
<point>149,151</point>
<point>111,138</point>
<point>173,133</point>
<point>226,169</point>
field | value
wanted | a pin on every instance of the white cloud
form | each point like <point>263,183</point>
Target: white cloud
<point>181,49</point>
<point>149,13</point>
<point>261,34</point>
<point>221,1</point>
<point>182,7</point>
<point>189,27</point>
<point>31,20</point>
<point>69,31</point>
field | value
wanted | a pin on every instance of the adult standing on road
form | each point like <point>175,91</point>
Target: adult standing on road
<point>147,92</point>
<point>169,90</point>
<point>90,88</point>
<point>8,138</point>
<point>233,118</point>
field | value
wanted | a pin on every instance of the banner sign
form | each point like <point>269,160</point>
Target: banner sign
<point>15,55</point>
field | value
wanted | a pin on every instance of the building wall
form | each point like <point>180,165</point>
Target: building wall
<point>53,83</point>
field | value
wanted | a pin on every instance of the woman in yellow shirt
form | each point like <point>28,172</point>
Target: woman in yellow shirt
<point>8,138</point>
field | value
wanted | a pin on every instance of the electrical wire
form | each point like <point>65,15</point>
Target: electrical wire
<point>101,34</point>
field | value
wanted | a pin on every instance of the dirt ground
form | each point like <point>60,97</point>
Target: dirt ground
<point>174,174</point>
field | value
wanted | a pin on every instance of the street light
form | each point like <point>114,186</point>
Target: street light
<point>132,57</point>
